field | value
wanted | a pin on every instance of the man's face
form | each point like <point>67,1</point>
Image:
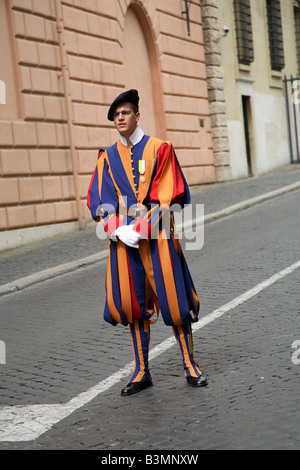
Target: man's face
<point>125,119</point>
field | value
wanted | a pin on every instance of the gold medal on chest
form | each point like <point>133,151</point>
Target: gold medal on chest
<point>142,169</point>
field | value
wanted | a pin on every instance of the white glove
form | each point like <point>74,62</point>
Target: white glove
<point>114,234</point>
<point>127,235</point>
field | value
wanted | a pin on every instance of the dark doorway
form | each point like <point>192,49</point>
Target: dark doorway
<point>247,129</point>
<point>292,94</point>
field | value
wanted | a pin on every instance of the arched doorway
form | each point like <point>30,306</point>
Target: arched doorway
<point>142,71</point>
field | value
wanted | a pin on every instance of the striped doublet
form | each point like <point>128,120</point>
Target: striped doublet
<point>155,277</point>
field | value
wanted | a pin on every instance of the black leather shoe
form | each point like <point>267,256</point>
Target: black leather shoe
<point>197,381</point>
<point>135,387</point>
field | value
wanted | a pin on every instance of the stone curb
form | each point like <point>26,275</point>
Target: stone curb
<point>51,273</point>
<point>65,268</point>
<point>251,202</point>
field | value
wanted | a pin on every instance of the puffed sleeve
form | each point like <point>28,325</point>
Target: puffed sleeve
<point>102,197</point>
<point>168,187</point>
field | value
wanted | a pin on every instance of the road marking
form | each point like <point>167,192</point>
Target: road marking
<point>28,422</point>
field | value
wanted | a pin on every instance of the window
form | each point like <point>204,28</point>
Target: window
<point>297,30</point>
<point>243,28</point>
<point>275,35</point>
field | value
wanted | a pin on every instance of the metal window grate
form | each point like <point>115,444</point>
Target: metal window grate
<point>243,28</point>
<point>275,34</point>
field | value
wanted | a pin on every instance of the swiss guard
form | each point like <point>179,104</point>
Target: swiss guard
<point>135,183</point>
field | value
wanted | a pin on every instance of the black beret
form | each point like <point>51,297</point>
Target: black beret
<point>130,96</point>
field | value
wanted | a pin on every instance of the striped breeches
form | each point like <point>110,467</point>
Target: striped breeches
<point>184,338</point>
<point>140,337</point>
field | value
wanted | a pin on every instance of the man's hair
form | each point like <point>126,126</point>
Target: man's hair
<point>134,108</point>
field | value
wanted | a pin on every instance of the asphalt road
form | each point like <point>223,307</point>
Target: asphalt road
<point>62,356</point>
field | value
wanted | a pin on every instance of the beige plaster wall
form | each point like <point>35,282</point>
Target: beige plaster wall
<point>264,87</point>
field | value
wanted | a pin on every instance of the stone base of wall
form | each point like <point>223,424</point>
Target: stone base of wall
<point>10,239</point>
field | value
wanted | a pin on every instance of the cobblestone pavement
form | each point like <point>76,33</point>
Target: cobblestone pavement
<point>62,249</point>
<point>62,356</point>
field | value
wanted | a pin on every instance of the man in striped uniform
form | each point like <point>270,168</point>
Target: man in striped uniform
<point>134,184</point>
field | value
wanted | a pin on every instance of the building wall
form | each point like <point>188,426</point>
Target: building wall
<point>59,87</point>
<point>263,87</point>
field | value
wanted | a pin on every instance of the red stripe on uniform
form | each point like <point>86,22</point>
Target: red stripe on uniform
<point>136,311</point>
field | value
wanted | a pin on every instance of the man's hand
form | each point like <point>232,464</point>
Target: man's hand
<point>127,235</point>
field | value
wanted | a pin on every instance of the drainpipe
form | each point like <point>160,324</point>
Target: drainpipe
<point>68,102</point>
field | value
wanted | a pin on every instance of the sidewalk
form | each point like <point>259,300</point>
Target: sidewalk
<point>27,265</point>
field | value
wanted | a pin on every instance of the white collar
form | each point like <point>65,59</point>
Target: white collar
<point>135,138</point>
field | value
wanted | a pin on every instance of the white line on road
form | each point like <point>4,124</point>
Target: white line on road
<point>28,422</point>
